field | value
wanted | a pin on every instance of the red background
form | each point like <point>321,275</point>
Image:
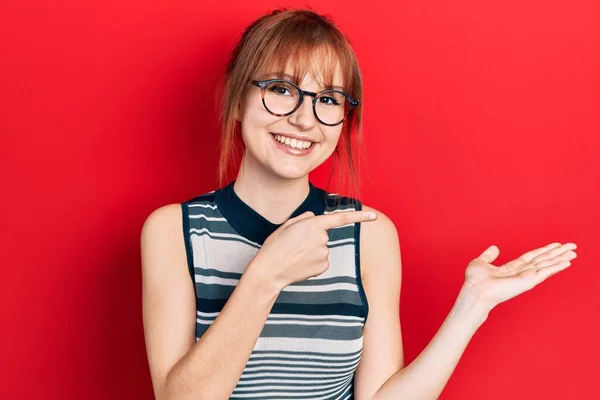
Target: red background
<point>482,127</point>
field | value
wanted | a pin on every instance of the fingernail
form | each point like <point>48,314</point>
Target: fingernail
<point>372,215</point>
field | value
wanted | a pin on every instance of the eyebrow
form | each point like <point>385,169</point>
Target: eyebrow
<point>293,79</point>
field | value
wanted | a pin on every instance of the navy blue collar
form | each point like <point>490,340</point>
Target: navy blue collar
<point>253,226</point>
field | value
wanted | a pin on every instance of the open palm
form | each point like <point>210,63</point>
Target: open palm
<point>494,284</point>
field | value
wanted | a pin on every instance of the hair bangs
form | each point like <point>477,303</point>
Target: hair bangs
<point>319,56</point>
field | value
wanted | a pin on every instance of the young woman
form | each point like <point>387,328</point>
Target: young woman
<point>272,288</point>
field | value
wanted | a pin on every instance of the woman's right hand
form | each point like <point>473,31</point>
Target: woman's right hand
<point>297,250</point>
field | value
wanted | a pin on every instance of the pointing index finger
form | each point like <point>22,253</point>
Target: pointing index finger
<point>333,220</point>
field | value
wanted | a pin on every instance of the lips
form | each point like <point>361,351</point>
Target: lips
<point>290,150</point>
<point>294,136</point>
<point>274,135</point>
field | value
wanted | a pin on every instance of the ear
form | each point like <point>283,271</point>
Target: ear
<point>238,113</point>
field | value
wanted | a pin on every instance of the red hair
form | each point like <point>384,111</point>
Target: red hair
<point>267,45</point>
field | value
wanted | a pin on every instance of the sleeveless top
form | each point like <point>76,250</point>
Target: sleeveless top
<point>312,340</point>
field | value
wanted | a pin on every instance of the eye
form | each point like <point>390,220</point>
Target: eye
<point>282,89</point>
<point>329,100</point>
<point>278,89</point>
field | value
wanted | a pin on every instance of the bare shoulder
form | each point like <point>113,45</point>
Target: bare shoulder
<point>379,241</point>
<point>162,244</point>
<point>164,222</point>
<point>383,225</point>
<point>163,251</point>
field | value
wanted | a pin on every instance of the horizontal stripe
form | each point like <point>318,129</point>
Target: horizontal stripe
<point>200,205</point>
<point>334,379</point>
<point>305,287</point>
<point>297,318</point>
<point>339,209</point>
<point>202,216</point>
<point>316,323</point>
<point>325,394</point>
<point>340,242</point>
<point>314,390</point>
<point>308,355</point>
<point>313,281</point>
<point>300,369</point>
<point>206,271</point>
<point>216,305</point>
<point>212,292</point>
<point>302,330</point>
<point>290,382</point>
<point>316,317</point>
<point>343,226</point>
<point>331,347</point>
<point>223,236</point>
<point>325,281</point>
<point>232,236</point>
<point>207,211</point>
<point>342,319</point>
<point>321,288</point>
<point>229,284</point>
<point>207,315</point>
<point>301,363</point>
<point>276,372</point>
<point>215,280</point>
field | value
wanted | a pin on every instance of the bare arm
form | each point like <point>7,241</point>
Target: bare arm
<point>381,269</point>
<point>486,286</point>
<point>428,374</point>
<point>180,367</point>
<point>381,374</point>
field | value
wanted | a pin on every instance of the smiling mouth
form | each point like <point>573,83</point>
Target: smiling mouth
<point>292,143</point>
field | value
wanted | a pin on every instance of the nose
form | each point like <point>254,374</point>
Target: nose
<point>303,117</point>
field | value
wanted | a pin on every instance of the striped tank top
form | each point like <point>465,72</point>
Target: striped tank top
<point>311,343</point>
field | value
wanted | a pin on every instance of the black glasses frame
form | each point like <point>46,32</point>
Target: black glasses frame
<point>263,86</point>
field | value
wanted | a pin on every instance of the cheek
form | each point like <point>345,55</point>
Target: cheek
<point>333,134</point>
<point>255,117</point>
<point>332,137</point>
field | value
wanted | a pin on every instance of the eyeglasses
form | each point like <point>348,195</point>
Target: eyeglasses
<point>281,98</point>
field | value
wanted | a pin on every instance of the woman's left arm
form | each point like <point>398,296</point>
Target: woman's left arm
<point>381,374</point>
<point>381,269</point>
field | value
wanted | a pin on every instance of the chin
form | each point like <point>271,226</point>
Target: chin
<point>290,174</point>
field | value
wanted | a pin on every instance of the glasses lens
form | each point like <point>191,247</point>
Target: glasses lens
<point>281,97</point>
<point>332,107</point>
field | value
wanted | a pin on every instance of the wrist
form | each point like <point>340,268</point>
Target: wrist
<point>261,283</point>
<point>469,307</point>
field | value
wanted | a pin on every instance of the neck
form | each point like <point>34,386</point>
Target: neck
<point>273,197</point>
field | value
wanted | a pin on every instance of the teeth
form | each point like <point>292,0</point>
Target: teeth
<point>294,143</point>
